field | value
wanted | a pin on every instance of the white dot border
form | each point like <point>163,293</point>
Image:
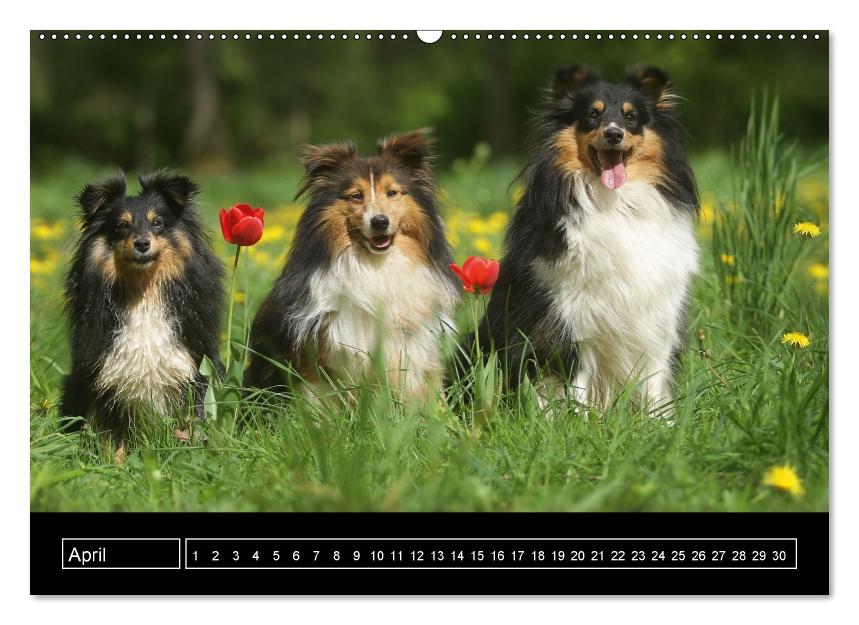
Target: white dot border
<point>606,37</point>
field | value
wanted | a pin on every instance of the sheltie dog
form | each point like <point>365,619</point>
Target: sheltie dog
<point>601,250</point>
<point>368,267</point>
<point>144,298</point>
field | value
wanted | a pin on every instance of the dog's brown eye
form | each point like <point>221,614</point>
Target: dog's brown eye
<point>593,114</point>
<point>122,228</point>
<point>392,192</point>
<point>157,223</point>
<point>356,197</point>
<point>630,117</point>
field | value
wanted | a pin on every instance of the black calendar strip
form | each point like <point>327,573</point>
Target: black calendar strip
<point>446,553</point>
<point>430,553</point>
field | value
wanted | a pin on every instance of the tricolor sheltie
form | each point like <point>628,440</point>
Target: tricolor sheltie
<point>144,297</point>
<point>601,250</point>
<point>368,264</point>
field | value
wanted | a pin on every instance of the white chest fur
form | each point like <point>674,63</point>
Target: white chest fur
<point>147,366</point>
<point>362,300</point>
<point>619,289</point>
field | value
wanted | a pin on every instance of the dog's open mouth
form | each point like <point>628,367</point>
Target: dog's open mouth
<point>611,165</point>
<point>380,243</point>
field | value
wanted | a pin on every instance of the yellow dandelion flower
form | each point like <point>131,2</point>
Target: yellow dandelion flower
<point>818,271</point>
<point>732,280</point>
<point>482,245</point>
<point>795,339</point>
<point>493,224</point>
<point>41,266</point>
<point>784,478</point>
<point>499,218</point>
<point>273,232</point>
<point>728,259</point>
<point>807,229</point>
<point>47,232</point>
<point>477,226</point>
<point>239,297</point>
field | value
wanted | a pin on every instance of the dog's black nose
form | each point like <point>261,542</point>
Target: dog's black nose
<point>613,135</point>
<point>380,222</point>
<point>141,245</point>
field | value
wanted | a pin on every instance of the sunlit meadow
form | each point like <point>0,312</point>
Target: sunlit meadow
<point>751,426</point>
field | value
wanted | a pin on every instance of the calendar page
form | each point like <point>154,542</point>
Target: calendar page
<point>429,311</point>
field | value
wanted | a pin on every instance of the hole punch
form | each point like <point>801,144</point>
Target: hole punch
<point>430,36</point>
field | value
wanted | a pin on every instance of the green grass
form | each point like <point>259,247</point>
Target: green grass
<point>747,405</point>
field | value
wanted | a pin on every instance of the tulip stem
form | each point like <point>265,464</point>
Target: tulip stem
<point>476,326</point>
<point>229,356</point>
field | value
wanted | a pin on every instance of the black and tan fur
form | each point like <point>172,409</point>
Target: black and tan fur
<point>144,299</point>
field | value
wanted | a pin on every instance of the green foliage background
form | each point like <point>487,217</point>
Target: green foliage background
<point>230,104</point>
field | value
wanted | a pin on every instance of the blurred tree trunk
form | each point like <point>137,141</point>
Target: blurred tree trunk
<point>498,101</point>
<point>204,136</point>
<point>146,141</point>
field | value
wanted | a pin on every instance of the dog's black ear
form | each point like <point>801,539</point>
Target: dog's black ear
<point>95,196</point>
<point>411,149</point>
<point>177,190</point>
<point>567,80</point>
<point>654,84</point>
<point>322,161</point>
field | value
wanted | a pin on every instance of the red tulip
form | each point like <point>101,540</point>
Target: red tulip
<point>242,224</point>
<point>477,274</point>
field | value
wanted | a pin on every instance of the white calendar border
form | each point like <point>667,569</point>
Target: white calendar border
<point>118,568</point>
<point>496,568</point>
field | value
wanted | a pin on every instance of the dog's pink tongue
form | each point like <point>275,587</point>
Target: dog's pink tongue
<point>613,171</point>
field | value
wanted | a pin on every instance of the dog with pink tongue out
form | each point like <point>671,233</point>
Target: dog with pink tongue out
<point>612,167</point>
<point>601,250</point>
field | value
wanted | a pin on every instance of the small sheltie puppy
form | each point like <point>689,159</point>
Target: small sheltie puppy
<point>144,298</point>
<point>601,250</point>
<point>368,266</point>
